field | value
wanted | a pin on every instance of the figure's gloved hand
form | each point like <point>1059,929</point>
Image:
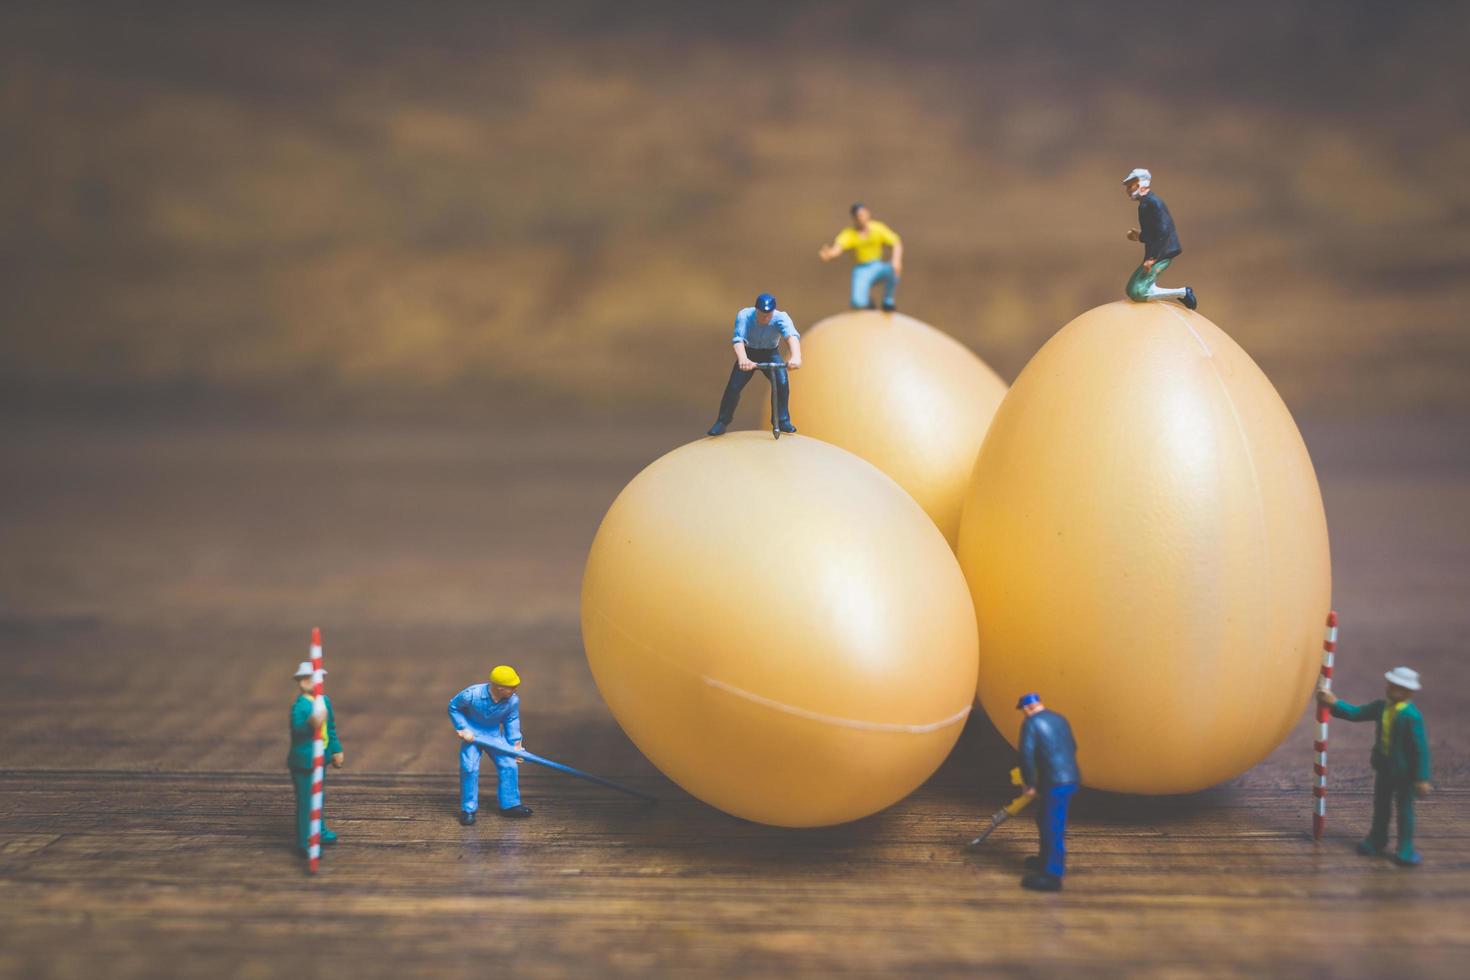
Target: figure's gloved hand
<point>465,734</point>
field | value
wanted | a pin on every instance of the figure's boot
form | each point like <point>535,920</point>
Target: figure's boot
<point>1041,881</point>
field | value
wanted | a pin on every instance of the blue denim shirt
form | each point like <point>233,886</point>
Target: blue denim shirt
<point>762,336</point>
<point>473,708</point>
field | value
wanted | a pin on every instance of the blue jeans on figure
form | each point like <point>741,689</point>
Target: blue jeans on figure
<point>739,379</point>
<point>1051,826</point>
<point>865,276</point>
<point>507,774</point>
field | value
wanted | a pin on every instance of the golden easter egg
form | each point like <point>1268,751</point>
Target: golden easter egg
<point>908,398</point>
<point>779,628</point>
<point>1146,547</point>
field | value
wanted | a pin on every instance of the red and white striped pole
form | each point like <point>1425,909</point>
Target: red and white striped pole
<point>1319,792</point>
<point>318,760</point>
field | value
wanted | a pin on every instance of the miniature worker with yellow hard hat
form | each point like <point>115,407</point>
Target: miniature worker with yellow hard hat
<point>482,710</point>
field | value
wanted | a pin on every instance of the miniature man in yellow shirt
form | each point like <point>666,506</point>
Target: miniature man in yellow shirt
<point>866,239</point>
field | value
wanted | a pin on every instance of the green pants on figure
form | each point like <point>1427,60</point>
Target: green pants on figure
<point>301,783</point>
<point>1141,283</point>
<point>298,761</point>
<point>1398,794</point>
<point>1400,760</point>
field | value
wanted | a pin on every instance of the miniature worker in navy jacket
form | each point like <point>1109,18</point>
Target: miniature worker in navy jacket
<point>1049,772</point>
<point>759,330</point>
<point>1160,243</point>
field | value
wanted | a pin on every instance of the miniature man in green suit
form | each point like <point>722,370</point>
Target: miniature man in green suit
<point>1400,758</point>
<point>307,717</point>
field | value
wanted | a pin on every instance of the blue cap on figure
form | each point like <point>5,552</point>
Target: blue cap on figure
<point>765,302</point>
<point>1028,699</point>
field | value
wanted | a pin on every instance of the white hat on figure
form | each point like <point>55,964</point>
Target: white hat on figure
<point>1403,677</point>
<point>1139,174</point>
<point>304,670</point>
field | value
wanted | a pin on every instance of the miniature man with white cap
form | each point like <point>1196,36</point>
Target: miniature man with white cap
<point>482,710</point>
<point>1400,759</point>
<point>308,715</point>
<point>1160,242</point>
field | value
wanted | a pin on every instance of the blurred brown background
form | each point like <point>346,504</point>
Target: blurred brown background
<point>359,316</point>
<point>466,209</point>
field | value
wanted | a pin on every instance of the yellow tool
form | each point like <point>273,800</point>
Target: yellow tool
<point>1006,812</point>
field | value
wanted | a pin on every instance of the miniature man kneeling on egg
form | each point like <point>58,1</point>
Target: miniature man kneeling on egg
<point>1160,243</point>
<point>1049,772</point>
<point>485,711</point>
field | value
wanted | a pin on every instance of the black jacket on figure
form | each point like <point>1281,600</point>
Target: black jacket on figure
<point>1048,751</point>
<point>1156,228</point>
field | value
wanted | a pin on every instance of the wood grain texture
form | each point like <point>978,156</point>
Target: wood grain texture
<point>156,592</point>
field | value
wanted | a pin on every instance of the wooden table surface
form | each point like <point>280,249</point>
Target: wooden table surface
<point>157,587</point>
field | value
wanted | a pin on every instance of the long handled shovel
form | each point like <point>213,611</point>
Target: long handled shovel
<point>501,747</point>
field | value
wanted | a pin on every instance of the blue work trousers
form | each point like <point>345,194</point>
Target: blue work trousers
<point>739,379</point>
<point>507,773</point>
<point>865,276</point>
<point>1051,825</point>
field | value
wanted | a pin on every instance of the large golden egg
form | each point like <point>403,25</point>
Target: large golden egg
<point>908,398</point>
<point>1146,547</point>
<point>780,629</point>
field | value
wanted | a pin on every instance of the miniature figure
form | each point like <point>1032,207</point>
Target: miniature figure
<point>1048,770</point>
<point>484,711</point>
<point>308,716</point>
<point>866,239</point>
<point>758,333</point>
<point>1160,243</point>
<point>1400,759</point>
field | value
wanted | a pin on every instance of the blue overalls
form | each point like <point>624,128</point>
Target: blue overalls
<point>866,275</point>
<point>474,709</point>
